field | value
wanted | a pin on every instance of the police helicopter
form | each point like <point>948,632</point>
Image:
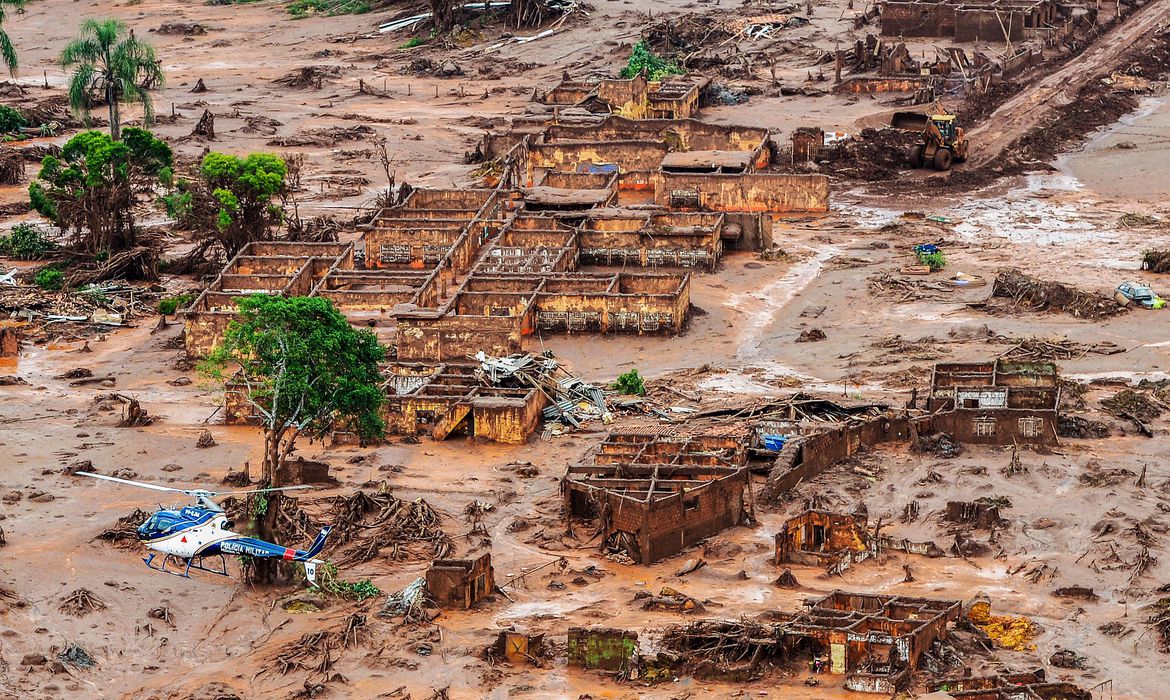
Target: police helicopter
<point>191,534</point>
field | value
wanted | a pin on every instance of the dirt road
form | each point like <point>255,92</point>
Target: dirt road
<point>1035,104</point>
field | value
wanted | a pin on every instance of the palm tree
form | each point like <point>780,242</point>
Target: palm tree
<point>109,58</point>
<point>7,51</point>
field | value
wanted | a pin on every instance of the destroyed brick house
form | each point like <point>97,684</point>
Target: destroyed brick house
<point>996,402</point>
<point>994,21</point>
<point>875,641</point>
<point>878,65</point>
<point>1028,685</point>
<point>654,492</point>
<point>838,540</point>
<point>458,584</point>
<point>634,98</point>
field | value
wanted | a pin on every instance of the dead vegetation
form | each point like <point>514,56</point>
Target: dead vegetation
<point>308,77</point>
<point>1040,295</point>
<point>80,603</point>
<point>326,136</point>
<point>316,652</point>
<point>1156,261</point>
<point>124,532</point>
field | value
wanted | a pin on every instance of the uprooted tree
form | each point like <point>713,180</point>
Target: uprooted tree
<point>91,189</point>
<point>304,369</point>
<point>231,201</point>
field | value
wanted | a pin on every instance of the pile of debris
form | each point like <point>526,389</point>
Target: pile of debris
<point>1137,406</point>
<point>307,77</point>
<point>316,652</point>
<point>80,603</point>
<point>366,523</point>
<point>722,643</point>
<point>1159,620</point>
<point>327,136</point>
<point>904,289</point>
<point>410,604</point>
<point>571,401</point>
<point>670,600</point>
<point>1039,295</point>
<point>872,155</point>
<point>1038,349</point>
<point>124,533</point>
<point>1156,260</point>
<point>75,314</point>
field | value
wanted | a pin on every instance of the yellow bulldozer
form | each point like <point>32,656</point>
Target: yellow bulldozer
<point>943,141</point>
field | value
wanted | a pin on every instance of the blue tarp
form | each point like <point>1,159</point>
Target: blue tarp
<point>775,443</point>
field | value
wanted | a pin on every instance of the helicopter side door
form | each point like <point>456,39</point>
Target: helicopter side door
<point>194,539</point>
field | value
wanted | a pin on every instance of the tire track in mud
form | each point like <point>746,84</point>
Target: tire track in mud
<point>1030,108</point>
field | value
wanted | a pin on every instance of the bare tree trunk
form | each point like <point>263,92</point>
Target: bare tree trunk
<point>269,571</point>
<point>442,16</point>
<point>527,13</point>
<point>115,121</point>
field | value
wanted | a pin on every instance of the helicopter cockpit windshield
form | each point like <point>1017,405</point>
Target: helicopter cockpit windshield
<point>157,524</point>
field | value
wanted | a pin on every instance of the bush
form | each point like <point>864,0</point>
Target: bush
<point>169,305</point>
<point>300,9</point>
<point>11,121</point>
<point>930,256</point>
<point>643,59</point>
<point>26,242</point>
<point>50,279</point>
<point>631,383</point>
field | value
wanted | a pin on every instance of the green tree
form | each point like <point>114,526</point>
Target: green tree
<point>7,50</point>
<point>303,368</point>
<point>109,60</point>
<point>242,191</point>
<point>92,187</point>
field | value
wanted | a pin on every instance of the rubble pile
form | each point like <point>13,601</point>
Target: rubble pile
<point>873,155</point>
<point>571,401</point>
<point>1129,403</point>
<point>75,314</point>
<point>410,603</point>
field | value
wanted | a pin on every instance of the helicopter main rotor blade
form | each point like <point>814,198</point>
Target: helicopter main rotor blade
<point>139,484</point>
<point>280,488</point>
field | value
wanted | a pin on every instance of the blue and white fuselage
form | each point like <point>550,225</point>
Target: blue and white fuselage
<point>192,533</point>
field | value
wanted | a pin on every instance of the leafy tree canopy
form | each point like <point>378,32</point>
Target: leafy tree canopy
<point>303,367</point>
<point>91,187</point>
<point>643,59</point>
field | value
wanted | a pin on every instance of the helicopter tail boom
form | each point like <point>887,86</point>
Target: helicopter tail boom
<point>319,542</point>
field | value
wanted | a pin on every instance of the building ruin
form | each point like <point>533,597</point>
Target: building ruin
<point>838,540</point>
<point>653,493</point>
<point>996,403</point>
<point>458,584</point>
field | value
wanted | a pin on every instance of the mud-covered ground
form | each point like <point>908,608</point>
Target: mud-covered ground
<point>1076,516</point>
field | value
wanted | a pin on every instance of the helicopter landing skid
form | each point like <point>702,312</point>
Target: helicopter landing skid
<point>195,563</point>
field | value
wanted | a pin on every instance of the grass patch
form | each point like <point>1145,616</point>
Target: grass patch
<point>169,305</point>
<point>300,9</point>
<point>50,279</point>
